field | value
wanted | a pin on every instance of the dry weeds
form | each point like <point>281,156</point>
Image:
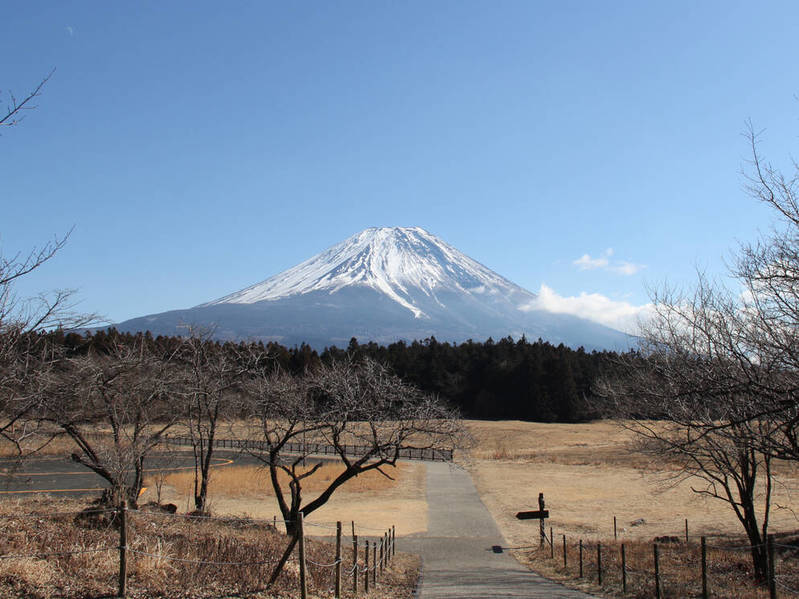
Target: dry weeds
<point>729,570</point>
<point>94,574</point>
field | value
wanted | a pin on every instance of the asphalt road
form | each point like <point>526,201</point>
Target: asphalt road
<point>62,476</point>
<point>457,554</point>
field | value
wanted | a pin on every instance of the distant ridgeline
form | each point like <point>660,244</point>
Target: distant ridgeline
<point>503,379</point>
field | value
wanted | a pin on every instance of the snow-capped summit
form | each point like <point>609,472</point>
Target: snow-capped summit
<point>383,284</point>
<point>407,264</point>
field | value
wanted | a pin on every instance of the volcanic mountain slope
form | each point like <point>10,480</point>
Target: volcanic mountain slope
<point>383,284</point>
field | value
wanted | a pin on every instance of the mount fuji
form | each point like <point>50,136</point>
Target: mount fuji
<point>383,284</point>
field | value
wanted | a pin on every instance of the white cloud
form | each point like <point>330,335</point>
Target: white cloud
<point>626,268</point>
<point>620,315</point>
<point>586,262</point>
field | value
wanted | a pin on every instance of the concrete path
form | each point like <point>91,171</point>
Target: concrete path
<point>457,555</point>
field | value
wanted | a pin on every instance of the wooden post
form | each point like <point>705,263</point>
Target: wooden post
<point>393,541</point>
<point>686,531</point>
<point>374,561</point>
<point>615,534</point>
<point>772,583</point>
<point>551,543</point>
<point>541,523</point>
<point>599,563</point>
<point>338,560</point>
<point>564,551</point>
<point>382,542</point>
<point>354,563</point>
<point>581,558</point>
<point>623,570</point>
<point>704,568</point>
<point>366,568</point>
<point>123,549</point>
<point>303,582</point>
<point>657,570</point>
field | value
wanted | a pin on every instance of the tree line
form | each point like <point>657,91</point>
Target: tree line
<point>503,379</point>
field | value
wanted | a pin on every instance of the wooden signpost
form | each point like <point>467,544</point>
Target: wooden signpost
<point>540,514</point>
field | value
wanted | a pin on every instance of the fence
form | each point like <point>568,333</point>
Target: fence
<point>409,453</point>
<point>207,557</point>
<point>674,566</point>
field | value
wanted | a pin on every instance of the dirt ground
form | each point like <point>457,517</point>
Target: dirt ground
<point>588,476</point>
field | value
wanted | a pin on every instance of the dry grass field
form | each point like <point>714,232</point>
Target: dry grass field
<point>588,476</point>
<point>371,500</point>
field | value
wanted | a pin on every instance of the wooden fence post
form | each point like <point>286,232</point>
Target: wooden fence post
<point>581,558</point>
<point>382,542</point>
<point>551,544</point>
<point>564,551</point>
<point>623,570</point>
<point>303,582</point>
<point>366,568</point>
<point>338,560</point>
<point>393,541</point>
<point>354,563</point>
<point>374,567</point>
<point>542,530</point>
<point>615,534</point>
<point>772,581</point>
<point>123,548</point>
<point>704,568</point>
<point>599,563</point>
<point>657,570</point>
<point>686,531</point>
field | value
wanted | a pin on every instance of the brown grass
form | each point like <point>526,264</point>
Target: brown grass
<point>588,475</point>
<point>94,574</point>
<point>371,500</point>
<point>253,481</point>
<point>729,569</point>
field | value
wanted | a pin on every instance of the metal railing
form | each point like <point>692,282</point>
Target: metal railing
<point>408,453</point>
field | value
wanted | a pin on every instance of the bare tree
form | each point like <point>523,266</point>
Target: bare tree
<point>213,374</point>
<point>699,427</point>
<point>719,368</point>
<point>363,412</point>
<point>116,407</point>
<point>23,349</point>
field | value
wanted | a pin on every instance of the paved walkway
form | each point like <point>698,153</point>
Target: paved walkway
<point>457,555</point>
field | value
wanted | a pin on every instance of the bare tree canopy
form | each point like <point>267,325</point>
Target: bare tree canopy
<point>364,412</point>
<point>115,406</point>
<point>715,385</point>
<point>212,375</point>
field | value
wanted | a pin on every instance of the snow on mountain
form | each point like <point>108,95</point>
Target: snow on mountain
<point>407,264</point>
<point>383,284</point>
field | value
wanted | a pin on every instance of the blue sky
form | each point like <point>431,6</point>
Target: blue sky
<point>592,148</point>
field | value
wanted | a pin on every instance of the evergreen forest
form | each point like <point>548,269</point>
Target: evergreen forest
<point>505,379</point>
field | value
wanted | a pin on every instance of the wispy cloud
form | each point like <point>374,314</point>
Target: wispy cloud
<point>626,268</point>
<point>586,262</point>
<point>603,261</point>
<point>70,31</point>
<point>620,315</point>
